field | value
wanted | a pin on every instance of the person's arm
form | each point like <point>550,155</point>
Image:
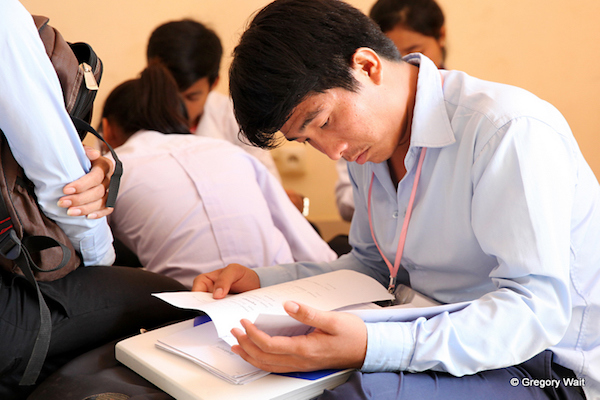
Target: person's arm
<point>40,133</point>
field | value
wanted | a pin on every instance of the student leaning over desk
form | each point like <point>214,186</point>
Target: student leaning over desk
<point>505,214</point>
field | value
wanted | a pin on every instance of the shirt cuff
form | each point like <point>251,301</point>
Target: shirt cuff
<point>274,275</point>
<point>390,346</point>
<point>96,247</point>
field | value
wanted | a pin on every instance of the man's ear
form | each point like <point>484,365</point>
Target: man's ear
<point>367,62</point>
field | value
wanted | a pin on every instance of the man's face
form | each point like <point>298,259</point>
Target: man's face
<point>346,124</point>
<point>195,99</point>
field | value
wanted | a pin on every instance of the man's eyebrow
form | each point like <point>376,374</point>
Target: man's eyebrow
<point>309,118</point>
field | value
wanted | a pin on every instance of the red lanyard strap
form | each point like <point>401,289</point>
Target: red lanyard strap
<point>394,269</point>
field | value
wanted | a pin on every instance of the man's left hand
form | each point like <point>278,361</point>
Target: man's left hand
<point>338,341</point>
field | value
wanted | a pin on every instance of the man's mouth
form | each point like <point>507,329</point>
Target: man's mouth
<point>359,158</point>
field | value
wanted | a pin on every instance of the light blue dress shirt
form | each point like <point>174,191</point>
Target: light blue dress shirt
<point>507,215</point>
<point>40,133</point>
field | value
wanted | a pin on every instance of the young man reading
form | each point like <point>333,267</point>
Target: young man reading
<point>503,211</point>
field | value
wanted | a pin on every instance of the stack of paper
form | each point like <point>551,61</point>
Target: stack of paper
<point>201,345</point>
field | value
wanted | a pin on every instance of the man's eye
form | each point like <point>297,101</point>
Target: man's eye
<point>325,124</point>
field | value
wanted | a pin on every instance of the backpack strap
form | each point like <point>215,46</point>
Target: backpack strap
<point>12,248</point>
<point>115,179</point>
<point>42,342</point>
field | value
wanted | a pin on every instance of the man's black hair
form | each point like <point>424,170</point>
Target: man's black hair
<point>188,49</point>
<point>292,49</point>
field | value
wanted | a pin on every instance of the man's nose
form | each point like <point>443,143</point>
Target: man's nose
<point>334,149</point>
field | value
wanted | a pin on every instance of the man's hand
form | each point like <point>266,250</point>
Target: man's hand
<point>338,341</point>
<point>234,278</point>
<point>87,195</point>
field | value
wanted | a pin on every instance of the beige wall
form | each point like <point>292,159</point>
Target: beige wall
<point>549,47</point>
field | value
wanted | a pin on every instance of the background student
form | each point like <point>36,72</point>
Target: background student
<point>190,204</point>
<point>192,53</point>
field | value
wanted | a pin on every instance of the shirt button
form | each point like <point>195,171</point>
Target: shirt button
<point>395,214</point>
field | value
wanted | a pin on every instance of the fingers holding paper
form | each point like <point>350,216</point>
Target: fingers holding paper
<point>339,340</point>
<point>234,278</point>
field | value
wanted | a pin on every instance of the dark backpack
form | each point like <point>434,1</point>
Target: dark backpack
<point>31,244</point>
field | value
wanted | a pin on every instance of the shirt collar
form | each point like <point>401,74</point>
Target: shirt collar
<point>430,123</point>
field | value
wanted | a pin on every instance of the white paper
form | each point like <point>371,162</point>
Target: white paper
<point>201,345</point>
<point>406,312</point>
<point>326,292</point>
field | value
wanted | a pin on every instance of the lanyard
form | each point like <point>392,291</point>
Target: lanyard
<point>394,269</point>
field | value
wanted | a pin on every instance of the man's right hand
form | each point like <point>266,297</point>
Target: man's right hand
<point>234,278</point>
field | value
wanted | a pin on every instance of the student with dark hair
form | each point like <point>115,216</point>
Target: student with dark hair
<point>192,53</point>
<point>151,102</point>
<point>229,208</point>
<point>503,213</point>
<point>415,26</point>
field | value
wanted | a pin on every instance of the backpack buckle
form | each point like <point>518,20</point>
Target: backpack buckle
<point>10,245</point>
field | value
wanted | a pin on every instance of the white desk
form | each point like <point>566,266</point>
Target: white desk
<point>185,380</point>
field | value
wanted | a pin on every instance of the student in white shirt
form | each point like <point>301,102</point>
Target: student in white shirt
<point>191,204</point>
<point>88,307</point>
<point>503,210</point>
<point>192,53</point>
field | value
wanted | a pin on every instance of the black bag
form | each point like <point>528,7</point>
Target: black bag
<point>31,244</point>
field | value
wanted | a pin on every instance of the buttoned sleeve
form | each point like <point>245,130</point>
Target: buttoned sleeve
<point>39,130</point>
